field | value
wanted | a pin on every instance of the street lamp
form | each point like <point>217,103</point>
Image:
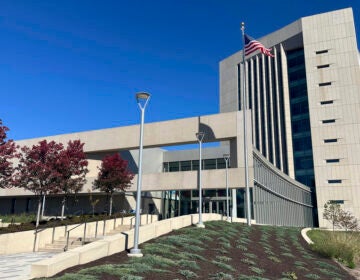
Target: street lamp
<point>142,98</point>
<point>226,158</point>
<point>200,137</point>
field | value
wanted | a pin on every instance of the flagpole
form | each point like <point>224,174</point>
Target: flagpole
<point>248,206</point>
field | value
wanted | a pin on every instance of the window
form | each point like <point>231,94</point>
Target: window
<point>173,166</point>
<point>328,121</point>
<point>332,160</point>
<point>322,51</point>
<point>332,140</point>
<point>335,181</point>
<point>221,163</point>
<point>336,201</point>
<point>326,102</point>
<point>185,165</point>
<point>301,144</point>
<point>323,66</point>
<point>324,84</point>
<point>195,165</point>
<point>209,164</point>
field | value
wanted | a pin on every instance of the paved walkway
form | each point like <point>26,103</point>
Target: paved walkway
<point>17,266</point>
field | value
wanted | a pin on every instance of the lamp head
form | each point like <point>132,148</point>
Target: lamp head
<point>200,135</point>
<point>142,99</point>
<point>142,96</point>
<point>226,156</point>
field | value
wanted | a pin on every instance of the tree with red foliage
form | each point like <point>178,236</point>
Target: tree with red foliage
<point>72,169</point>
<point>37,170</point>
<point>114,175</point>
<point>7,154</point>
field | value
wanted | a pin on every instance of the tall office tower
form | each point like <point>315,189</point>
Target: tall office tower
<point>305,104</point>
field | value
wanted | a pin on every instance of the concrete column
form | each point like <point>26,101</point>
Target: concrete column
<point>258,105</point>
<point>265,108</point>
<point>234,203</point>
<point>271,103</point>
<point>287,115</point>
<point>277,74</point>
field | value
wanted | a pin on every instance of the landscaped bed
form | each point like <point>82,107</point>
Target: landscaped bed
<point>220,251</point>
<point>27,222</point>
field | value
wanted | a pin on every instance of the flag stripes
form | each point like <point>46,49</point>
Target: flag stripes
<point>251,45</point>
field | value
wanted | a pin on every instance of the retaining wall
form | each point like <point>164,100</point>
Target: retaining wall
<point>28,241</point>
<point>114,244</point>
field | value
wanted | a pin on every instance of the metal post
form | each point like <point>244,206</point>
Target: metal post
<point>140,97</point>
<point>226,158</point>
<point>248,206</point>
<point>200,137</point>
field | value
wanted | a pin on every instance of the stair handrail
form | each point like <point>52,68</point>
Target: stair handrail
<point>36,231</point>
<point>68,235</point>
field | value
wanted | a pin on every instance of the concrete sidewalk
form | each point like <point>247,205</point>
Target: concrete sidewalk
<point>17,266</point>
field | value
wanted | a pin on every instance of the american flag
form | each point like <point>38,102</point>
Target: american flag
<point>252,45</point>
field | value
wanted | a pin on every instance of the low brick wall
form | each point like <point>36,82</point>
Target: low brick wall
<point>113,244</point>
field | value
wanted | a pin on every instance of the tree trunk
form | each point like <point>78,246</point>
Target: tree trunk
<point>111,202</point>
<point>43,207</point>
<point>63,208</point>
<point>38,212</point>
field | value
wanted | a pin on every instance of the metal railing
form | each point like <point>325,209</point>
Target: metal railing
<point>37,230</point>
<point>68,235</point>
<point>67,231</point>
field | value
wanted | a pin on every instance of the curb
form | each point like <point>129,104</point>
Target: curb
<point>304,235</point>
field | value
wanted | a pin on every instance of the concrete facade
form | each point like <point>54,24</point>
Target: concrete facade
<point>309,93</point>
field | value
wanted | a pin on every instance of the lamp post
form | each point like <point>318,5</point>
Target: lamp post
<point>226,158</point>
<point>142,98</point>
<point>200,137</point>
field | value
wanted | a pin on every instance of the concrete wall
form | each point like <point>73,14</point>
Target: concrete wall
<point>334,33</point>
<point>21,242</point>
<point>113,244</point>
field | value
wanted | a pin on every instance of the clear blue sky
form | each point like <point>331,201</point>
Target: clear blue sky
<point>73,65</point>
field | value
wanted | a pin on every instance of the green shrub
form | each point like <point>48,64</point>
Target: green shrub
<point>312,276</point>
<point>257,270</point>
<point>154,260</point>
<point>223,258</point>
<point>223,265</point>
<point>221,276</point>
<point>245,277</point>
<point>18,218</point>
<point>75,276</point>
<point>274,259</point>
<point>188,264</point>
<point>188,274</point>
<point>251,255</point>
<point>290,275</point>
<point>248,261</point>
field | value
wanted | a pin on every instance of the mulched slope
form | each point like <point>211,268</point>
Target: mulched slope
<point>220,251</point>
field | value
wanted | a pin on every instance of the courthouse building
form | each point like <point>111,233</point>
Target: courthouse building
<point>303,135</point>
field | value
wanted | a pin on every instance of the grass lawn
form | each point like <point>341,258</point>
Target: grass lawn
<point>220,251</point>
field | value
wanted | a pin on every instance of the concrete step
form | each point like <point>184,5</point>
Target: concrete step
<point>60,244</point>
<point>119,229</point>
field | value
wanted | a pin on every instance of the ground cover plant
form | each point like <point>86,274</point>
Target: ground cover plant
<point>220,251</point>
